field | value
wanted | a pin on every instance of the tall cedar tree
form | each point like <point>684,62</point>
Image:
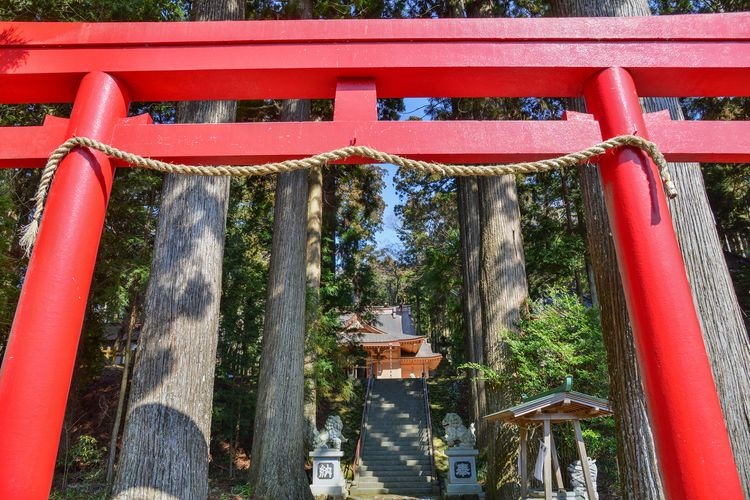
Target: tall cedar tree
<point>724,332</point>
<point>166,438</point>
<point>501,291</point>
<point>278,439</point>
<point>279,431</point>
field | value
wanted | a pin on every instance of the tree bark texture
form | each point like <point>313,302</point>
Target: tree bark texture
<point>167,430</point>
<point>469,226</point>
<point>503,291</point>
<point>312,273</point>
<point>724,331</point>
<point>278,439</point>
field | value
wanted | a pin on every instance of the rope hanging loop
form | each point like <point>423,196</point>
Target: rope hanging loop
<point>30,231</point>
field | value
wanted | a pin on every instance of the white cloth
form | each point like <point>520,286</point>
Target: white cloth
<point>539,466</point>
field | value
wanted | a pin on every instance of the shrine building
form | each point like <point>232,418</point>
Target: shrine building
<point>391,345</point>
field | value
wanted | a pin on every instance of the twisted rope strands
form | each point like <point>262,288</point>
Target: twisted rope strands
<point>30,232</point>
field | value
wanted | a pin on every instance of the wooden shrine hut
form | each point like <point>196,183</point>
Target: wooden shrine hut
<point>392,348</point>
<point>556,406</point>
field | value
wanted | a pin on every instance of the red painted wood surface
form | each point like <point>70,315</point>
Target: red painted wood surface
<point>41,351</point>
<point>689,432</point>
<point>459,141</point>
<point>357,62</point>
<point>483,58</point>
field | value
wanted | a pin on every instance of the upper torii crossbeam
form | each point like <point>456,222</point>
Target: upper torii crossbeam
<point>101,68</point>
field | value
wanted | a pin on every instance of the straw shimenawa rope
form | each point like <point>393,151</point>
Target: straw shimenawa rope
<point>30,232</point>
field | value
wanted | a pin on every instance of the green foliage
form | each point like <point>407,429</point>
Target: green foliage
<point>431,259</point>
<point>484,372</point>
<point>246,256</point>
<point>95,10</point>
<point>558,337</point>
<point>84,459</point>
<point>243,490</point>
<point>71,494</point>
<point>331,360</point>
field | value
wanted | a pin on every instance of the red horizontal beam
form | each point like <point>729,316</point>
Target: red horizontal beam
<point>458,63</point>
<point>701,141</point>
<point>665,28</point>
<point>444,141</point>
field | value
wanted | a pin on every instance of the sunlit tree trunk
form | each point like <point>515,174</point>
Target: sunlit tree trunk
<point>312,273</point>
<point>167,430</point>
<point>278,438</point>
<point>503,290</point>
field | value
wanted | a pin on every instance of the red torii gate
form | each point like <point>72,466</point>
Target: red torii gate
<point>611,62</point>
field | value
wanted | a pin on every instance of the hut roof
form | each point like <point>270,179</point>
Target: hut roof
<point>560,403</point>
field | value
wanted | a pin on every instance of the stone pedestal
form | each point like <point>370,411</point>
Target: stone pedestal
<point>326,473</point>
<point>462,472</point>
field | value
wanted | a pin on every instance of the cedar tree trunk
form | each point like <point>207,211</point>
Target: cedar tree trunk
<point>278,439</point>
<point>167,430</point>
<point>503,291</point>
<point>468,222</point>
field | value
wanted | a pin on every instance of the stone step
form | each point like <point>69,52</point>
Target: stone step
<point>395,467</point>
<point>396,439</point>
<point>413,423</point>
<point>396,394</point>
<point>376,451</point>
<point>378,409</point>
<point>396,432</point>
<point>394,485</point>
<point>410,478</point>
<point>393,471</point>
<point>400,490</point>
<point>390,416</point>
<point>395,429</point>
<point>395,454</point>
<point>375,444</point>
<point>395,436</point>
<point>401,460</point>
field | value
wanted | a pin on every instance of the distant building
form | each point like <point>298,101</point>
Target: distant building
<point>393,349</point>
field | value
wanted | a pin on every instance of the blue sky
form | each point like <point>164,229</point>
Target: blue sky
<point>387,236</point>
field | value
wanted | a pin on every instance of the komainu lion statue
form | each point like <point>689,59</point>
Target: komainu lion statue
<point>456,434</point>
<point>331,433</point>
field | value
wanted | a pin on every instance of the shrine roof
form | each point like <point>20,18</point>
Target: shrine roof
<point>561,403</point>
<point>425,351</point>
<point>389,325</point>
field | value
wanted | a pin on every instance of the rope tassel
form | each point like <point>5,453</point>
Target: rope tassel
<point>30,232</point>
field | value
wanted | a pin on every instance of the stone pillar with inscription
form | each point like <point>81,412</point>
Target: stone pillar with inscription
<point>462,463</point>
<point>326,475</point>
<point>462,472</point>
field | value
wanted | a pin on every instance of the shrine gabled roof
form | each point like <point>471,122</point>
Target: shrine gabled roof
<point>561,403</point>
<point>390,325</point>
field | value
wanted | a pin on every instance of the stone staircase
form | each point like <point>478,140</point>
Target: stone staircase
<point>395,453</point>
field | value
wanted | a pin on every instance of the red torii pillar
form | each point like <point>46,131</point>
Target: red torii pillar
<point>40,356</point>
<point>692,445</point>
